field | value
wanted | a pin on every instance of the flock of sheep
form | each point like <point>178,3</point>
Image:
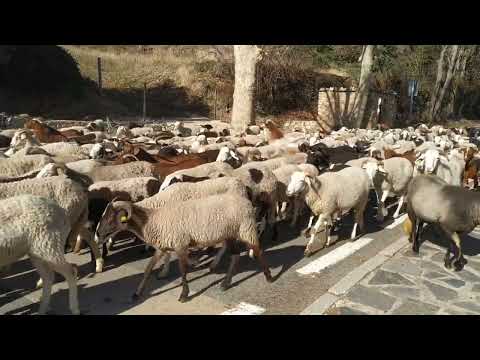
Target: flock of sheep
<point>200,186</point>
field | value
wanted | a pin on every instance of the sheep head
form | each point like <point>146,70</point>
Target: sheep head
<point>431,159</point>
<point>299,183</point>
<point>114,219</point>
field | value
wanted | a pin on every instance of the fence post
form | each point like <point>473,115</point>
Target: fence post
<point>215,106</point>
<point>144,102</point>
<point>99,68</point>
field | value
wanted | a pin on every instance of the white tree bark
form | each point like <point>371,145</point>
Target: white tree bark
<point>448,79</point>
<point>243,111</point>
<point>438,82</point>
<point>364,84</point>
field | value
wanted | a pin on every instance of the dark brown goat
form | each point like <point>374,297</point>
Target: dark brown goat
<point>409,155</point>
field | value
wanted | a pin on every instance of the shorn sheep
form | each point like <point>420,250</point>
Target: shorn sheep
<point>202,223</point>
<point>458,213</point>
<point>326,196</point>
<point>38,227</point>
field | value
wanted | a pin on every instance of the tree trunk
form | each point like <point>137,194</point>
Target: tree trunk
<point>364,84</point>
<point>243,112</point>
<point>436,88</point>
<point>448,79</point>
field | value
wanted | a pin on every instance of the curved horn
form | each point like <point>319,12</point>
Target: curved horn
<point>130,156</point>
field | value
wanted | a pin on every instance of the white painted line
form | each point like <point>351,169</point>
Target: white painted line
<point>334,256</point>
<point>245,309</point>
<point>397,222</point>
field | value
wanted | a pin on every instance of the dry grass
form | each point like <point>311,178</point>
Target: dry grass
<point>130,70</point>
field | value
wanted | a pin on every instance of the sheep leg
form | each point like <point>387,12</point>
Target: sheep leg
<point>47,278</point>
<point>95,252</point>
<point>153,261</point>
<point>259,256</point>
<point>218,257</point>
<point>166,266</point>
<point>400,204</point>
<point>381,205</point>
<point>310,222</point>
<point>235,256</point>
<point>417,226</point>
<point>183,262</point>
<point>69,272</point>
<point>458,260</point>
<point>296,209</point>
<point>320,221</point>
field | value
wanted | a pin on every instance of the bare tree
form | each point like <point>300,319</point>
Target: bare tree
<point>364,83</point>
<point>243,111</point>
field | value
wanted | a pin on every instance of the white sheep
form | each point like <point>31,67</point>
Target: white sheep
<point>327,197</point>
<point>389,178</point>
<point>39,228</point>
<point>132,189</point>
<point>204,222</point>
<point>11,168</point>
<point>70,196</point>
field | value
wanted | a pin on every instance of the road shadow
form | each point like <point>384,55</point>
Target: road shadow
<point>435,235</point>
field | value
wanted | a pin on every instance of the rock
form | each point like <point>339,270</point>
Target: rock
<point>434,275</point>
<point>386,278</point>
<point>468,306</point>
<point>403,266</point>
<point>345,311</point>
<point>410,307</point>
<point>454,282</point>
<point>440,292</point>
<point>370,297</point>
<point>402,292</point>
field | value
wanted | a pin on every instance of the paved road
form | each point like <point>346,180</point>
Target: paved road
<point>299,281</point>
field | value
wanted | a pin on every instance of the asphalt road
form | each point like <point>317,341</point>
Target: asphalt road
<point>299,280</point>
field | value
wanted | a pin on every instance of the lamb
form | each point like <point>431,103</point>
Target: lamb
<point>179,227</point>
<point>70,196</point>
<point>389,178</point>
<point>326,197</point>
<point>132,189</point>
<point>459,213</point>
<point>38,227</point>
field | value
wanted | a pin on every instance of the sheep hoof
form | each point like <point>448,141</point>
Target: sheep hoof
<point>307,253</point>
<point>448,263</point>
<point>135,297</point>
<point>183,298</point>
<point>458,264</point>
<point>224,286</point>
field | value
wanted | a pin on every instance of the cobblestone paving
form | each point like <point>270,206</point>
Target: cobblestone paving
<point>410,284</point>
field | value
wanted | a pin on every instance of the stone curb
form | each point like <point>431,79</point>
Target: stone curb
<point>324,302</point>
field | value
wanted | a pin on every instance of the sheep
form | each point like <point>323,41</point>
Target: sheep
<point>178,227</point>
<point>211,170</point>
<point>123,171</point>
<point>181,130</point>
<point>389,178</point>
<point>326,196</point>
<point>459,213</point>
<point>84,166</point>
<point>283,175</point>
<point>132,189</point>
<point>70,196</point>
<point>38,227</point>
<point>449,168</point>
<point>10,168</point>
<point>97,151</point>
